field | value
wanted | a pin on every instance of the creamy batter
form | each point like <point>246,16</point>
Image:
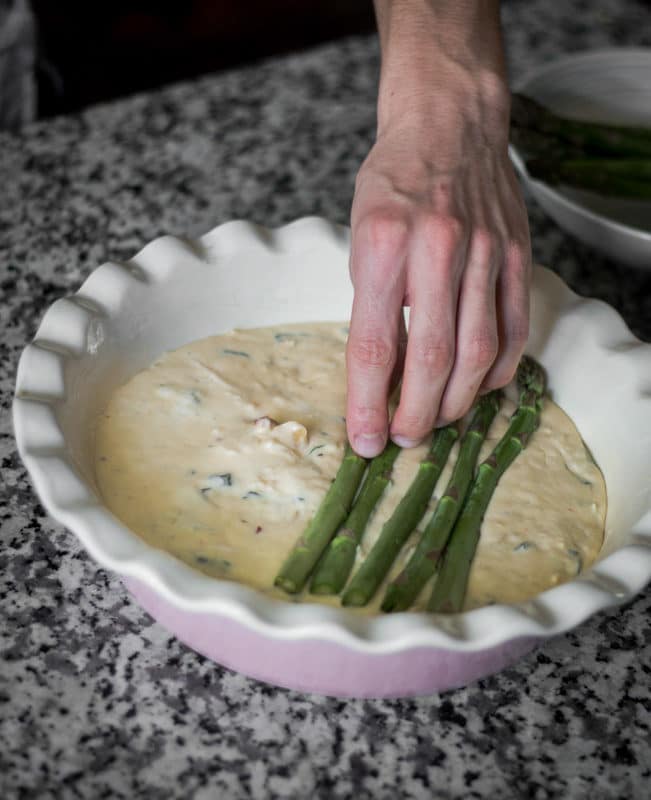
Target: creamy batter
<point>221,451</point>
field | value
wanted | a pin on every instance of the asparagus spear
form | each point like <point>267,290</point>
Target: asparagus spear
<point>621,177</point>
<point>334,568</point>
<point>534,144</point>
<point>402,592</point>
<point>329,516</point>
<point>402,522</point>
<point>588,137</point>
<point>451,582</point>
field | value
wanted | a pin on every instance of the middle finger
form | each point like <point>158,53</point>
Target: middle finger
<point>433,280</point>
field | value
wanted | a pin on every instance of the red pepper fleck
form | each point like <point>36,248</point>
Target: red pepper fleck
<point>258,529</point>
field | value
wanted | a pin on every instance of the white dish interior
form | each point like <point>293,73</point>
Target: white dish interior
<point>175,291</point>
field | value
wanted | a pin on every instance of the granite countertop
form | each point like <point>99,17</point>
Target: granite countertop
<point>96,699</point>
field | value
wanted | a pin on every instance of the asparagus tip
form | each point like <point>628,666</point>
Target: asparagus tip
<point>286,584</point>
<point>388,605</point>
<point>354,598</point>
<point>531,376</point>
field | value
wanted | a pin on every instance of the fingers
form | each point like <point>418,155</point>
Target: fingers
<point>435,259</point>
<point>461,259</point>
<point>512,313</point>
<point>398,367</point>
<point>377,258</point>
<point>476,329</point>
<point>512,291</point>
<point>468,328</point>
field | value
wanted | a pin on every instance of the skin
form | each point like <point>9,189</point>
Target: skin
<point>438,224</point>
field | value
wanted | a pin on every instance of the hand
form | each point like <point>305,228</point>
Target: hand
<point>439,225</point>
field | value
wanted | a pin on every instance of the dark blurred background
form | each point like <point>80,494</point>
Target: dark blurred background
<point>87,52</point>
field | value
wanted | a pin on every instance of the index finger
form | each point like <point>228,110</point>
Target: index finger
<point>377,268</point>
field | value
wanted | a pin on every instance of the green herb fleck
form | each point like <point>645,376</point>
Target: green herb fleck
<point>240,353</point>
<point>288,337</point>
<point>195,396</point>
<point>219,480</point>
<point>579,478</point>
<point>219,563</point>
<point>576,556</point>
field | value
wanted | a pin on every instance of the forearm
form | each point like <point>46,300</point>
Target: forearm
<point>438,224</point>
<point>435,52</point>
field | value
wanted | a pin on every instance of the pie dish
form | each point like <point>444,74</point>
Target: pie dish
<point>242,275</point>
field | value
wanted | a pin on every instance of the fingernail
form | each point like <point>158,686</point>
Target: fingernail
<point>368,445</point>
<point>403,441</point>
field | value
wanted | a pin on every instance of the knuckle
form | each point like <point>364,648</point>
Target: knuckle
<point>371,351</point>
<point>367,417</point>
<point>519,334</point>
<point>453,410</point>
<point>481,350</point>
<point>414,425</point>
<point>518,256</point>
<point>383,230</point>
<point>443,231</point>
<point>433,355</point>
<point>517,331</point>
<point>484,244</point>
<point>500,376</point>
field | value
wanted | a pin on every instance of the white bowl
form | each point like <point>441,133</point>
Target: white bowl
<point>174,291</point>
<point>605,86</point>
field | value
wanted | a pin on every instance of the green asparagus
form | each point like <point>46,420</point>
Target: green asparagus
<point>578,136</point>
<point>402,592</point>
<point>629,178</point>
<point>611,160</point>
<point>402,522</point>
<point>451,582</point>
<point>329,516</point>
<point>334,568</point>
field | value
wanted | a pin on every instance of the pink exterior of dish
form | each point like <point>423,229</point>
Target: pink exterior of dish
<point>310,665</point>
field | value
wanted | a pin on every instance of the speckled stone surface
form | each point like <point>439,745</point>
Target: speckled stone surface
<point>96,699</point>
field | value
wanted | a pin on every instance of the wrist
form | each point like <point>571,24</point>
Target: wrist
<point>439,60</point>
<point>481,98</point>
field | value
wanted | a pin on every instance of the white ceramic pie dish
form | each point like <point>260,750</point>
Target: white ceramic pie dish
<point>614,86</point>
<point>174,291</point>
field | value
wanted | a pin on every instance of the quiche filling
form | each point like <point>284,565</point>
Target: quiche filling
<point>221,451</point>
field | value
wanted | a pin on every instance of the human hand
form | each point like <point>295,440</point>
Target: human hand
<point>438,224</point>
